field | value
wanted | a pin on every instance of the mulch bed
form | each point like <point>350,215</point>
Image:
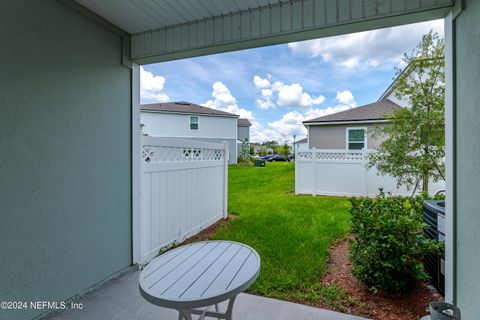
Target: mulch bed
<point>381,305</point>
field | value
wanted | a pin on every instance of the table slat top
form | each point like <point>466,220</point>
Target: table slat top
<point>199,274</point>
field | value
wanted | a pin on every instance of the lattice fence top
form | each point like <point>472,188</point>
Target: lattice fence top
<point>304,155</point>
<point>322,155</point>
<point>153,154</point>
<point>338,156</point>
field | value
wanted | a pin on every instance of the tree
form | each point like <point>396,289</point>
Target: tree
<point>413,151</point>
<point>285,148</point>
<point>272,145</point>
<point>251,149</point>
<point>244,156</point>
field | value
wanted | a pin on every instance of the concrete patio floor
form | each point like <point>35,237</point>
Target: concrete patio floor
<point>121,299</point>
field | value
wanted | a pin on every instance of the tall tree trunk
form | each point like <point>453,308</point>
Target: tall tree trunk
<point>425,183</point>
<point>426,157</point>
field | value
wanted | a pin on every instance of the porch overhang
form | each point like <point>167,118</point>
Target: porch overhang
<point>164,30</point>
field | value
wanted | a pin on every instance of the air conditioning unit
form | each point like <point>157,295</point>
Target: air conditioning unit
<point>434,218</point>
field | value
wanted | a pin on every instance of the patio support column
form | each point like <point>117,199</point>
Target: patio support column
<point>449,159</point>
<point>136,154</point>
<point>466,115</point>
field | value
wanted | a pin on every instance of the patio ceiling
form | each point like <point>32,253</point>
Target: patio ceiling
<point>172,29</point>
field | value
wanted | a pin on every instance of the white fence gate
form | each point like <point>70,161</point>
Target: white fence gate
<point>183,189</point>
<point>343,173</point>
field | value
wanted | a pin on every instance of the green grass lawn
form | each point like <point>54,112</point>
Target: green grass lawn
<point>292,233</point>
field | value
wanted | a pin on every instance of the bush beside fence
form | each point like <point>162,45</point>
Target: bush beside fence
<point>387,243</point>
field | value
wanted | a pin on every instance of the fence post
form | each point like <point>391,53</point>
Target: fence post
<point>314,161</point>
<point>296,171</point>
<point>364,173</point>
<point>225,180</point>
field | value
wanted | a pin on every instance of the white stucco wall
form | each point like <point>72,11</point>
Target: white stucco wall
<point>178,126</point>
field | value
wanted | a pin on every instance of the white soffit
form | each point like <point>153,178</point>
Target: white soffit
<point>135,16</point>
<point>173,29</point>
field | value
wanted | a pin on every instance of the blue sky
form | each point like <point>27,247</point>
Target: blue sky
<point>277,87</point>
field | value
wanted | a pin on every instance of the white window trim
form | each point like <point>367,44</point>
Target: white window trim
<point>365,147</point>
<point>190,122</point>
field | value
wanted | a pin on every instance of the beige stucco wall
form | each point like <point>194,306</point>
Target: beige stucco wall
<point>334,136</point>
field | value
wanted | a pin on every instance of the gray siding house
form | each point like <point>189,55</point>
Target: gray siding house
<point>351,129</point>
<point>301,144</point>
<point>243,129</point>
<point>354,129</point>
<point>243,134</point>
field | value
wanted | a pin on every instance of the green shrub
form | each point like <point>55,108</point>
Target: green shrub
<point>388,243</point>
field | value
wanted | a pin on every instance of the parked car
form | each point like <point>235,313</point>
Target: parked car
<point>267,157</point>
<point>278,157</point>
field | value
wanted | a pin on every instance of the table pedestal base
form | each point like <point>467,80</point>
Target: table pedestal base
<point>186,314</point>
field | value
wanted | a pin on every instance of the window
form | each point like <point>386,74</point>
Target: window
<point>356,138</point>
<point>193,123</point>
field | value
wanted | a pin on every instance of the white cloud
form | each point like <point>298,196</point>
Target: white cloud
<point>318,100</point>
<point>260,134</point>
<point>225,101</point>
<point>291,122</point>
<point>265,102</point>
<point>369,48</point>
<point>293,96</point>
<point>260,82</point>
<point>277,85</point>
<point>345,97</point>
<point>350,62</point>
<point>283,95</point>
<point>151,87</point>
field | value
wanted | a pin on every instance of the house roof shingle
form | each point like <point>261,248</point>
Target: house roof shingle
<point>184,107</point>
<point>242,122</point>
<point>304,140</point>
<point>379,110</point>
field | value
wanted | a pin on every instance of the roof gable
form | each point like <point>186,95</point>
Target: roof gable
<point>377,111</point>
<point>243,122</point>
<point>184,108</point>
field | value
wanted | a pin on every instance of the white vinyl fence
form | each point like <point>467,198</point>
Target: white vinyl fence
<point>183,188</point>
<point>343,173</point>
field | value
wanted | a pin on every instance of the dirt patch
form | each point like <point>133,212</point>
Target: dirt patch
<point>382,305</point>
<point>207,233</point>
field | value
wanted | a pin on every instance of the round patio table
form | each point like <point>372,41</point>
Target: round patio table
<point>196,276</point>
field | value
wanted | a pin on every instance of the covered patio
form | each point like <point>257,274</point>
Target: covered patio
<point>70,151</point>
<point>120,299</point>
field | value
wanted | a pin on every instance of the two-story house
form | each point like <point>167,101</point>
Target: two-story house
<point>186,120</point>
<point>243,134</point>
<point>353,129</point>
